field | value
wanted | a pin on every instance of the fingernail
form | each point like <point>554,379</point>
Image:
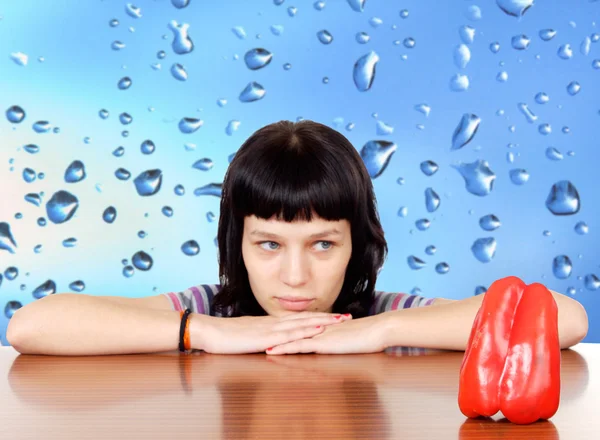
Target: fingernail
<point>269,349</point>
<point>338,317</point>
<point>318,326</point>
<point>347,315</point>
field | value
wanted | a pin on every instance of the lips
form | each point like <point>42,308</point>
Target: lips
<point>295,305</point>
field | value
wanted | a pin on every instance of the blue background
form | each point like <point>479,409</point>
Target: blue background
<point>78,73</point>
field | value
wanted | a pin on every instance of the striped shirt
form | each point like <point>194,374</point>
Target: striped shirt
<point>198,299</point>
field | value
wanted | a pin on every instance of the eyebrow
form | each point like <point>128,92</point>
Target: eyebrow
<point>325,233</point>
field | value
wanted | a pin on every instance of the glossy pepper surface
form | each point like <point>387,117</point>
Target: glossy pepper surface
<point>512,359</point>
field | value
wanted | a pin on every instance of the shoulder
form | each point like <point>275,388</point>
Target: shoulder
<point>388,301</point>
<point>197,298</point>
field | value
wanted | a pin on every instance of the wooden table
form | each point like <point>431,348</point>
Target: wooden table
<point>401,393</point>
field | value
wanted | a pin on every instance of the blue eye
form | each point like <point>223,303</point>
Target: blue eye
<point>329,245</point>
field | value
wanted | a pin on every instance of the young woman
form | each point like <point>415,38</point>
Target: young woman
<point>300,248</point>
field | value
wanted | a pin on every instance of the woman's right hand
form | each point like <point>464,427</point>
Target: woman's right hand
<point>254,334</point>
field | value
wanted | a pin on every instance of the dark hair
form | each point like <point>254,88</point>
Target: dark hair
<point>290,170</point>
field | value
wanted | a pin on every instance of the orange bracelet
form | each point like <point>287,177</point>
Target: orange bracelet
<point>187,343</point>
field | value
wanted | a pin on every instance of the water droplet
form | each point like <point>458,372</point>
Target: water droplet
<point>502,76</point>
<point>466,34</point>
<point>7,241</point>
<point>232,127</point>
<point>547,233</point>
<point>103,113</point>
<point>19,58</point>
<point>563,199</point>
<point>473,13</point>
<point>585,46</point>
<point>364,71</point>
<point>190,125</point>
<point>61,206</point>
<point>422,224</point>
<point>596,64</point>
<point>409,42</point>
<point>77,286</point>
<point>252,92</point>
<point>178,72</point>
<point>203,164</point>
<point>15,114</point>
<point>117,45</point>
<point>114,22</point>
<point>125,118</point>
<point>179,190</point>
<point>459,83</point>
<point>494,47</point>
<point>239,32</point>
<point>258,58</point>
<point>462,56</point>
<point>109,215</point>
<point>29,175</point>
<point>520,42</point>
<point>362,37</point>
<point>325,36</point>
<point>124,83</point>
<point>277,29</point>
<point>41,221</point>
<point>41,127</point>
<point>357,5</point>
<point>565,52</point>
<point>423,108</point>
<point>133,11</point>
<point>404,13</point>
<point>75,172</point>
<point>516,8</point>
<point>432,200</point>
<point>287,66</point>
<point>167,211</point>
<point>553,154</point>
<point>376,155</point>
<point>402,211</point>
<point>122,174</point>
<point>190,248</point>
<point>442,268</point>
<point>128,271</point>
<point>479,178</point>
<point>33,198</point>
<point>142,261</point>
<point>11,273</point>
<point>69,242</point>
<point>484,249</point>
<point>581,228</point>
<point>180,4</point>
<point>149,182</point>
<point>428,167</point>
<point>527,112</point>
<point>518,176</point>
<point>147,147</point>
<point>212,189</point>
<point>182,43</point>
<point>415,263</point>
<point>573,88</point>
<point>547,34</point>
<point>591,282</point>
<point>210,217</point>
<point>465,130</point>
<point>119,151</point>
<point>45,289</point>
<point>489,222</point>
<point>384,129</point>
<point>545,129</point>
<point>292,11</point>
<point>430,250</point>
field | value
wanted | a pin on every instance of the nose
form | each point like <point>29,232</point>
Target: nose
<point>295,268</point>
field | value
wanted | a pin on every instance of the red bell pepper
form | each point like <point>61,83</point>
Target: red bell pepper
<point>512,359</point>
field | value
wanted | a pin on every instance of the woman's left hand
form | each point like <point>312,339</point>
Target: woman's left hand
<point>363,335</point>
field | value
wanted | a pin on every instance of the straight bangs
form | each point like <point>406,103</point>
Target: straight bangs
<point>292,185</point>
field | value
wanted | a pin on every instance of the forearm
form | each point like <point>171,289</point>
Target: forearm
<point>77,324</point>
<point>448,326</point>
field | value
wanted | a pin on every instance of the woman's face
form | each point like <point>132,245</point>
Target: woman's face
<point>299,259</point>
